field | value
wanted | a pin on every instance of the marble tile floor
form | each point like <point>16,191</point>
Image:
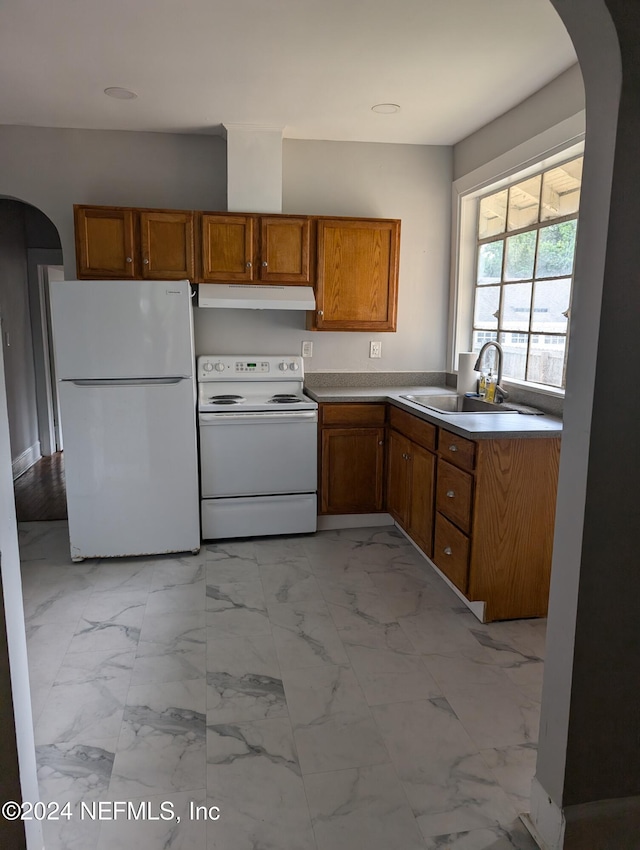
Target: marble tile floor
<point>324,692</point>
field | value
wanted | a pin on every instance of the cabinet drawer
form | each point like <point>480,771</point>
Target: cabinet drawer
<point>421,432</point>
<point>352,414</point>
<point>457,450</point>
<point>454,494</point>
<point>451,552</point>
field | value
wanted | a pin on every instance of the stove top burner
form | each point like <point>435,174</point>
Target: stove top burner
<point>226,399</point>
<point>285,398</point>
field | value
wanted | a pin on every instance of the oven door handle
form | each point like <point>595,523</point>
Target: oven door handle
<point>294,417</point>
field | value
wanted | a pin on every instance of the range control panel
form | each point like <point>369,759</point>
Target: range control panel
<point>224,367</point>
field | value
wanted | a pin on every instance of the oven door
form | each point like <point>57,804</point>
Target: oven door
<point>258,454</point>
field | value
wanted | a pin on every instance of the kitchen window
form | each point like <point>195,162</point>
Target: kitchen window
<point>525,249</point>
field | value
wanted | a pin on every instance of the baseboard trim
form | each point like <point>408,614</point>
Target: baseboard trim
<point>328,523</point>
<point>26,460</point>
<point>606,824</point>
<point>476,608</point>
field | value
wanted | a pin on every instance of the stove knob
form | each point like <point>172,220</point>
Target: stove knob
<point>294,367</point>
<point>219,367</point>
<point>283,367</point>
<point>207,366</point>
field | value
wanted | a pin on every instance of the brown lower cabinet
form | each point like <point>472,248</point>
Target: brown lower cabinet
<point>410,480</point>
<point>482,510</point>
<point>352,441</point>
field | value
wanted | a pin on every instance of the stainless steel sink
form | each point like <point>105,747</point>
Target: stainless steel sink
<point>451,403</point>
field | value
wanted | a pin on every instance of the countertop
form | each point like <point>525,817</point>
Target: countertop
<point>475,426</point>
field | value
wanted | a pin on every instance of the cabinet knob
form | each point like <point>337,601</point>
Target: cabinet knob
<point>451,493</point>
<point>264,264</point>
<point>248,265</point>
<point>448,550</point>
<point>146,262</point>
<point>129,260</point>
<point>453,448</point>
<point>321,313</point>
<point>381,442</point>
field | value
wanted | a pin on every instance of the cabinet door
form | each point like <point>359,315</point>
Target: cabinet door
<point>357,275</point>
<point>227,247</point>
<point>352,461</point>
<point>284,250</point>
<point>104,243</point>
<point>398,478</point>
<point>167,245</point>
<point>421,503</point>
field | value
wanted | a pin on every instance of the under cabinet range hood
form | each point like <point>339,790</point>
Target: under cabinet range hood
<point>252,296</point>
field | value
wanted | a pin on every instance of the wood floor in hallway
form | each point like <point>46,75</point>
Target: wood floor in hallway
<point>40,491</point>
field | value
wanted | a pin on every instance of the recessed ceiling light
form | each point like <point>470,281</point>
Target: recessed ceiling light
<point>121,94</point>
<point>385,108</point>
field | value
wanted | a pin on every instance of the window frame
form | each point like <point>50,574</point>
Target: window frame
<point>504,283</point>
<point>552,148</point>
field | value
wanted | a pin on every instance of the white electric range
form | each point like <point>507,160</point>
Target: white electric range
<point>258,447</point>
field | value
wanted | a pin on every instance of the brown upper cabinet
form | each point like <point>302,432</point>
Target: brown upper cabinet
<point>269,249</point>
<point>351,262</point>
<point>357,275</point>
<point>114,242</point>
<point>105,240</point>
<point>284,250</point>
<point>166,240</point>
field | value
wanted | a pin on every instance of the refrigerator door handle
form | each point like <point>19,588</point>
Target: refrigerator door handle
<point>125,382</point>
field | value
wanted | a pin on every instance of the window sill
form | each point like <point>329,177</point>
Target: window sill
<point>543,389</point>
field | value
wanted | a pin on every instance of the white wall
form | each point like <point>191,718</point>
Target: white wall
<point>16,324</point>
<point>14,615</point>
<point>53,169</point>
<point>409,182</point>
<point>555,102</point>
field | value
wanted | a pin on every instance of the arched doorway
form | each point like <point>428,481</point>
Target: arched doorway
<point>31,254</point>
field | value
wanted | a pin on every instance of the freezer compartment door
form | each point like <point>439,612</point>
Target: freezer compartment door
<point>259,516</point>
<point>122,329</point>
<point>131,468</point>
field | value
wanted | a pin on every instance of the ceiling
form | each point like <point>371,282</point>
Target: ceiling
<point>313,67</point>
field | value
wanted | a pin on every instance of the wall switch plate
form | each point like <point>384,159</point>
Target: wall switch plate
<point>375,349</point>
<point>307,348</point>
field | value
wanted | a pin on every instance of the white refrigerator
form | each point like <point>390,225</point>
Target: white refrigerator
<point>124,361</point>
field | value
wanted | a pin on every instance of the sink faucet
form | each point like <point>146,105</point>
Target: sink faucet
<point>501,394</point>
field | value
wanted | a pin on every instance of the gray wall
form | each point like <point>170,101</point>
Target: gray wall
<point>409,182</point>
<point>560,99</point>
<point>16,322</point>
<point>54,169</point>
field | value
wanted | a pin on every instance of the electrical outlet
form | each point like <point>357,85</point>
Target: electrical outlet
<point>375,349</point>
<point>307,348</point>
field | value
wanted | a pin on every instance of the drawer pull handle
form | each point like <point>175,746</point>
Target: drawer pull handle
<point>453,448</point>
<point>451,494</point>
<point>448,550</point>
